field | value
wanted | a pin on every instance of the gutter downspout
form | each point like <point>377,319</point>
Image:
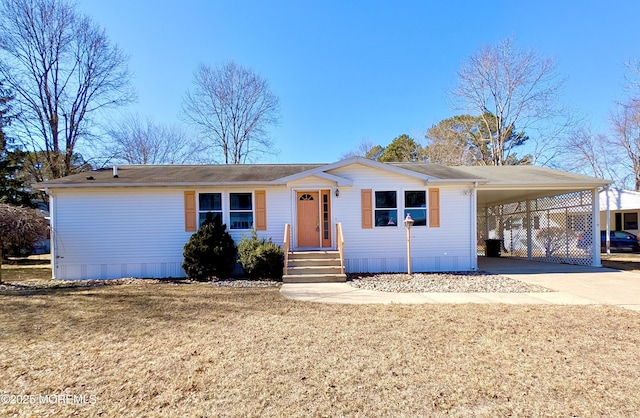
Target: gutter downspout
<point>608,226</point>
<point>52,233</point>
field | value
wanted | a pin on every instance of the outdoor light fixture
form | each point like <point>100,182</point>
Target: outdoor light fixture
<point>408,223</point>
<point>337,192</point>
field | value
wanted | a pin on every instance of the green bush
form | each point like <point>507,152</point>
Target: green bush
<point>210,252</point>
<point>260,258</point>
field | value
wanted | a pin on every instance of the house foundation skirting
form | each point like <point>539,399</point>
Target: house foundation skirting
<point>153,270</point>
<point>399,264</point>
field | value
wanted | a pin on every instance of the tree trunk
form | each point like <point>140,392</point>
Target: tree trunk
<point>1,260</point>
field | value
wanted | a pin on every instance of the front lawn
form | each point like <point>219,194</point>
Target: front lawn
<point>196,350</point>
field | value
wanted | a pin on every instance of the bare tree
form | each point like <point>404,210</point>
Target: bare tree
<point>363,149</point>
<point>137,140</point>
<point>63,70</point>
<point>632,80</point>
<point>232,107</point>
<point>20,227</point>
<point>513,90</point>
<point>593,154</point>
<point>626,128</point>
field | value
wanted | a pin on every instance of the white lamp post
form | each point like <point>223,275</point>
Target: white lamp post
<point>408,223</point>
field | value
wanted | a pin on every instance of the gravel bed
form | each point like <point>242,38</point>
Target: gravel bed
<point>458,282</point>
<point>245,283</point>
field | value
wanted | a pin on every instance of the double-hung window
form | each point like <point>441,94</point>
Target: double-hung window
<point>209,202</point>
<point>415,204</point>
<point>386,208</point>
<point>240,211</point>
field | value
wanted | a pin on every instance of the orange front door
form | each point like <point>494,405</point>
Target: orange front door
<point>308,219</point>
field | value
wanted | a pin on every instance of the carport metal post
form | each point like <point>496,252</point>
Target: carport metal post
<point>529,235</point>
<point>486,226</point>
<point>607,233</point>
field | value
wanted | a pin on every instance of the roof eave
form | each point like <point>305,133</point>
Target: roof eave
<point>455,181</point>
<point>45,186</point>
<point>546,186</point>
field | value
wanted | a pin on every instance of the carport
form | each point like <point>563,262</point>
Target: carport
<point>540,214</point>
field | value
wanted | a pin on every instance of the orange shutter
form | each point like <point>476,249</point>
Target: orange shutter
<point>190,224</point>
<point>434,208</point>
<point>261,210</point>
<point>367,209</point>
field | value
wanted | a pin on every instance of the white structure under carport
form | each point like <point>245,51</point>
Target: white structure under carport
<point>539,214</point>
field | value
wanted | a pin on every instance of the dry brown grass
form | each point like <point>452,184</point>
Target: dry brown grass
<point>25,273</point>
<point>27,269</point>
<point>622,261</point>
<point>195,350</point>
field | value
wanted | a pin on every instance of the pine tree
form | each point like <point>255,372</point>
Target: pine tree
<point>210,252</point>
<point>13,189</point>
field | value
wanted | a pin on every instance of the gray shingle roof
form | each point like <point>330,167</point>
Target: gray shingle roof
<point>184,174</point>
<point>167,175</point>
<point>438,171</point>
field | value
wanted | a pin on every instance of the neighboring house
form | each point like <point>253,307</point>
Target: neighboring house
<point>624,209</point>
<point>134,221</point>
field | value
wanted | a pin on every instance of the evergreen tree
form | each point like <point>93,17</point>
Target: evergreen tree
<point>13,189</point>
<point>260,258</point>
<point>210,252</point>
<point>402,149</point>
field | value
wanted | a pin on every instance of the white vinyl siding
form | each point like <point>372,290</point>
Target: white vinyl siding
<point>119,233</point>
<point>447,248</point>
<point>135,232</point>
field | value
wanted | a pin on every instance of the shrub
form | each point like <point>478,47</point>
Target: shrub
<point>260,258</point>
<point>210,252</point>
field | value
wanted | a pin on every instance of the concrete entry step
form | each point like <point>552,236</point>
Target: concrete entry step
<point>314,278</point>
<point>314,269</point>
<point>314,255</point>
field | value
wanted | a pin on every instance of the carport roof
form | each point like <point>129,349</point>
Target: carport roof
<point>512,183</point>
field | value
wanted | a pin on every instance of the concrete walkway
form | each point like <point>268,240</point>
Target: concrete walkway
<point>573,285</point>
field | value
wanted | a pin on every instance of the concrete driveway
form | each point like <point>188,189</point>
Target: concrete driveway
<point>574,285</point>
<point>600,285</point>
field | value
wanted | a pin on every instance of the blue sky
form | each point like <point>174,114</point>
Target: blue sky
<point>348,71</point>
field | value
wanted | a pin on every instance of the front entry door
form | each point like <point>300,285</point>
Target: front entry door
<point>308,219</point>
